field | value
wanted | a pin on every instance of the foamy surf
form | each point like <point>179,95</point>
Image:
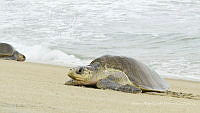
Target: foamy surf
<point>43,54</point>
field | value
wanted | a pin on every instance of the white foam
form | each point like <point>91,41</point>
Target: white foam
<point>177,69</point>
<point>43,54</point>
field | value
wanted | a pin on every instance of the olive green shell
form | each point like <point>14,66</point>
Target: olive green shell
<point>138,73</point>
<point>6,49</point>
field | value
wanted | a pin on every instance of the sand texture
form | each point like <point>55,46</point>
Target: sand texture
<point>38,88</point>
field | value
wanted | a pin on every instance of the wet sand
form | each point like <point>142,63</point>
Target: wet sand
<point>38,88</point>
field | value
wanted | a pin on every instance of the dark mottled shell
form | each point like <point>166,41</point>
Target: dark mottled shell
<point>138,73</point>
<point>6,49</point>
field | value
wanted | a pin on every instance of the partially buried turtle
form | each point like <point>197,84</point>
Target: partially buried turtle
<point>121,74</point>
<point>7,52</point>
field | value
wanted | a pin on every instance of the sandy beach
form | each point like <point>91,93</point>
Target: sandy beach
<point>38,88</point>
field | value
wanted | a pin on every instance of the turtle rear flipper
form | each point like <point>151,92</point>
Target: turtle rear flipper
<point>110,83</point>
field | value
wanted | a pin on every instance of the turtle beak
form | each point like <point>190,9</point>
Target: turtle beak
<point>71,73</point>
<point>75,73</point>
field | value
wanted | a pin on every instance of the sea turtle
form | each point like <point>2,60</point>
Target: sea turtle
<point>118,73</point>
<point>122,74</point>
<point>7,52</point>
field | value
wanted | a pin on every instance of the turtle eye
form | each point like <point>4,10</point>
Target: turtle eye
<point>80,70</point>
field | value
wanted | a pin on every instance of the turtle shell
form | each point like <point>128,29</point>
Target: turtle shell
<point>138,73</point>
<point>6,49</point>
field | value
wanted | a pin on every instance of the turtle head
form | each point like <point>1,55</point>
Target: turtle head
<point>19,56</point>
<point>86,75</point>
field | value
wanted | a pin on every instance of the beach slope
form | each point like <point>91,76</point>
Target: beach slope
<point>38,88</point>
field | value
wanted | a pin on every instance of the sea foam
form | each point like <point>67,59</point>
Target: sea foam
<point>43,54</point>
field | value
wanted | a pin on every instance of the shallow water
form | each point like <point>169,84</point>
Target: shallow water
<point>164,34</point>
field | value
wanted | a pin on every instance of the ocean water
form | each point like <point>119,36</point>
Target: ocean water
<point>164,34</point>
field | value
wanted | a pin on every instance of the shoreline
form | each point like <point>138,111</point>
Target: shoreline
<point>39,88</point>
<point>57,65</point>
<point>167,78</point>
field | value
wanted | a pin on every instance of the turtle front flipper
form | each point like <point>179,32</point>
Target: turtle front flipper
<point>111,83</point>
<point>73,82</point>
